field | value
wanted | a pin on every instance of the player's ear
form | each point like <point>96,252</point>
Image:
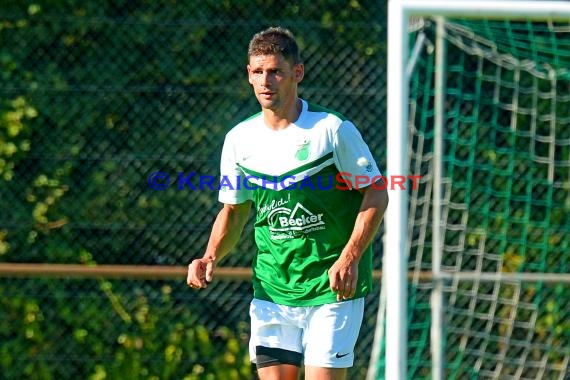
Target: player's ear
<point>299,72</point>
<point>248,68</point>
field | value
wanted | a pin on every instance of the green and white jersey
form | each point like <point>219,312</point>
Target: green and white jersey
<point>298,178</point>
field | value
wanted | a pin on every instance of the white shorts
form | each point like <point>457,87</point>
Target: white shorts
<point>319,336</point>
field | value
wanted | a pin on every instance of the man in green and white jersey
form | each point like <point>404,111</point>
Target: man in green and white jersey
<point>318,201</point>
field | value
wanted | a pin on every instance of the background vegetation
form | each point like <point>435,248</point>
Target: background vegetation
<point>97,96</point>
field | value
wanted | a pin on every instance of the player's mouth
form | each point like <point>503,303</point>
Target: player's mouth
<point>267,94</point>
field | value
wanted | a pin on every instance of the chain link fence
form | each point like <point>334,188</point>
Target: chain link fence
<point>98,97</point>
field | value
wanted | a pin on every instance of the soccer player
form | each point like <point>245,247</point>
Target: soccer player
<point>312,182</point>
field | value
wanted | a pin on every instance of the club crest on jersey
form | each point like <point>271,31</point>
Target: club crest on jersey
<point>302,149</point>
<point>285,223</point>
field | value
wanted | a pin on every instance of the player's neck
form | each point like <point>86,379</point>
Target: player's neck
<point>282,118</point>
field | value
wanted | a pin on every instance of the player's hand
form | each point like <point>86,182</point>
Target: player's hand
<point>343,277</point>
<point>200,273</point>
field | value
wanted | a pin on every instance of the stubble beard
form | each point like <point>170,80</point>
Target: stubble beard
<point>272,105</point>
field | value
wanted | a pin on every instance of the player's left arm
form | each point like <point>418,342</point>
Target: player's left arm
<point>343,275</point>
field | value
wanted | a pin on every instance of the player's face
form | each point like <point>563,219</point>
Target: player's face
<point>274,81</point>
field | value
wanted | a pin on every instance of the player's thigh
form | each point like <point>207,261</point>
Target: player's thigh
<point>330,337</point>
<point>274,340</point>
<point>279,372</point>
<point>320,373</point>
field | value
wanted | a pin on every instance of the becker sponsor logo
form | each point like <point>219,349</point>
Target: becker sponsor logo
<point>286,223</point>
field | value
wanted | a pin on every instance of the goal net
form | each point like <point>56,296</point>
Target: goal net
<point>505,202</point>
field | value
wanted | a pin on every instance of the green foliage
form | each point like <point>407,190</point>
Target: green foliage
<point>136,333</point>
<point>14,134</point>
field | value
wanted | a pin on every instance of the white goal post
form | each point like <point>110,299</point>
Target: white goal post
<point>396,220</point>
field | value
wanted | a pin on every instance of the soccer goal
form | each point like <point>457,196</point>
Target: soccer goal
<point>477,258</point>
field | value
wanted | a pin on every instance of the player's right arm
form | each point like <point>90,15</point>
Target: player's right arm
<point>225,234</point>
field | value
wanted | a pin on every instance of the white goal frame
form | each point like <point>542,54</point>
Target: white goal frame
<point>396,220</point>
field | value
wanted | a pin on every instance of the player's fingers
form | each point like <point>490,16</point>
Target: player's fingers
<point>339,288</point>
<point>353,285</point>
<point>191,277</point>
<point>343,289</point>
<point>334,281</point>
<point>201,274</point>
<point>196,274</point>
<point>350,288</point>
<point>210,270</point>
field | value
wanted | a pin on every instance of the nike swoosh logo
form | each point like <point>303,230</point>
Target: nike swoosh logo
<point>338,355</point>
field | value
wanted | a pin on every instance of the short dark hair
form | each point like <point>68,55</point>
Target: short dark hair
<point>272,41</point>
